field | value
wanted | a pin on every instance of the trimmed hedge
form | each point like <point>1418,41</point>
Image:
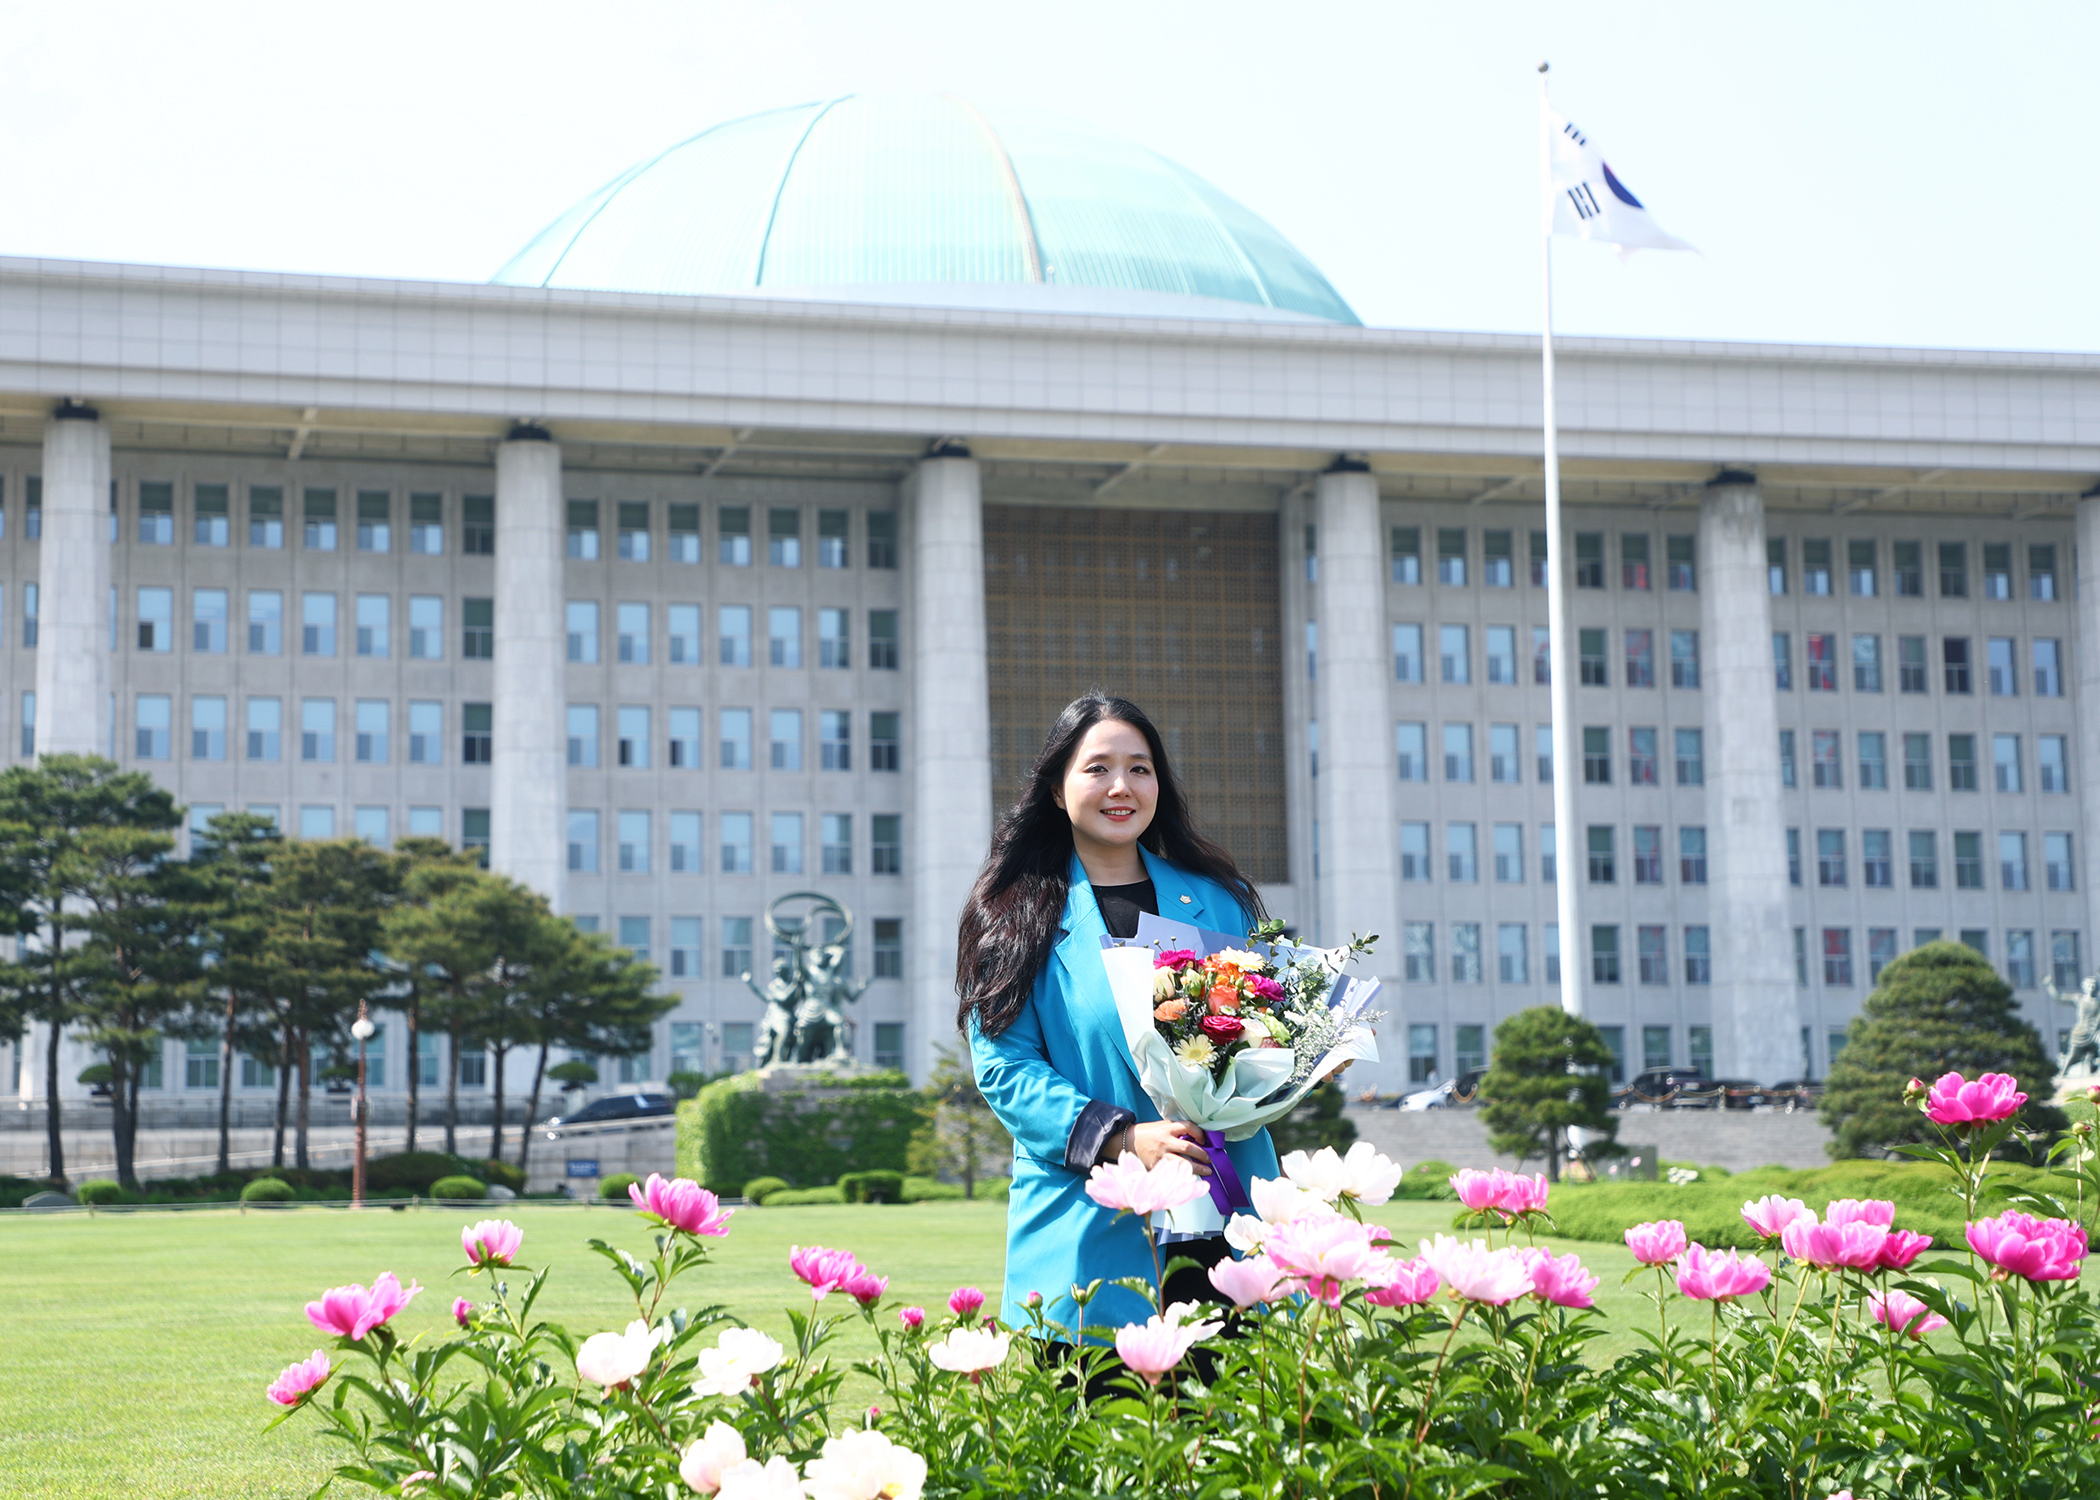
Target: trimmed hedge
<point>98,1190</point>
<point>872,1187</point>
<point>459,1188</point>
<point>758,1189</point>
<point>269,1190</point>
<point>916,1190</point>
<point>734,1131</point>
<point>793,1197</point>
<point>407,1172</point>
<point>613,1189</point>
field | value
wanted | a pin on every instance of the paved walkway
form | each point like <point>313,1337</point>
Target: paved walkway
<point>1735,1139</point>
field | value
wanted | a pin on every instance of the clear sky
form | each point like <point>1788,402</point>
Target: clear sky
<point>1919,173</point>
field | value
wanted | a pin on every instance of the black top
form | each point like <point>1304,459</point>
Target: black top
<point>1121,905</point>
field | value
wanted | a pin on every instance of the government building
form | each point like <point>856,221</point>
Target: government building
<point>745,533</point>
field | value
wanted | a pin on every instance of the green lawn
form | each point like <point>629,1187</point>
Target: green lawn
<point>137,1346</point>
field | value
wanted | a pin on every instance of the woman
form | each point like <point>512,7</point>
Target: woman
<point>1101,834</point>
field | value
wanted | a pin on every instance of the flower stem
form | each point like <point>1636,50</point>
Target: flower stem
<point>1429,1396</point>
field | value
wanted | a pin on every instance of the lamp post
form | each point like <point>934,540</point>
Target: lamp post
<point>362,1028</point>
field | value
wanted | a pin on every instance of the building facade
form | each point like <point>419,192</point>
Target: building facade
<point>682,599</point>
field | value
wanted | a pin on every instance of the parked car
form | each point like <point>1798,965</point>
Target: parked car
<point>1671,1088</point>
<point>1465,1089</point>
<point>618,1107</point>
<point>1741,1093</point>
<point>1436,1096</point>
<point>1794,1094</point>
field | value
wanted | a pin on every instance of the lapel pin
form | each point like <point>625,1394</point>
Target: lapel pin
<point>1187,901</point>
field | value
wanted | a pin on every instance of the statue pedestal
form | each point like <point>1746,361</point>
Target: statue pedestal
<point>799,1078</point>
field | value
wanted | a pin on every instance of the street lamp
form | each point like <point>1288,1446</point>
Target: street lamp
<point>361,1028</point>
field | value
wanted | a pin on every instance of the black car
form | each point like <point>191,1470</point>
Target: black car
<point>1672,1088</point>
<point>619,1107</point>
<point>1794,1094</point>
<point>1741,1093</point>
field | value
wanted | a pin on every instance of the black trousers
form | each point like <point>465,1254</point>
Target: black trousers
<point>1189,1284</point>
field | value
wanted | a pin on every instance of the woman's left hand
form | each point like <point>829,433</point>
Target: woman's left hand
<point>1155,1139</point>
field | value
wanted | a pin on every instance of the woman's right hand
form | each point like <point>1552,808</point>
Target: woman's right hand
<point>1155,1139</point>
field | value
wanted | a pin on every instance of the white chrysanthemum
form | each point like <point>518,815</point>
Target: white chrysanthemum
<point>1197,1051</point>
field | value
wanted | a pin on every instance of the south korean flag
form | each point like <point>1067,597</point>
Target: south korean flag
<point>1591,203</point>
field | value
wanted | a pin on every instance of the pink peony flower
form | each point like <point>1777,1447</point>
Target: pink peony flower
<point>1901,1248</point>
<point>1771,1214</point>
<point>1900,1312</point>
<point>1412,1283</point>
<point>1474,1273</point>
<point>1158,1344</point>
<point>1173,958</point>
<point>824,1270</point>
<point>417,1480</point>
<point>913,1318</point>
<point>964,1301</point>
<point>1708,1276</point>
<point>1657,1243</point>
<point>1827,1246</point>
<point>351,1312</point>
<point>1860,1211</point>
<point>462,1311</point>
<point>864,1286</point>
<point>680,1204</point>
<point>1324,1252</point>
<point>1248,1282</point>
<point>297,1381</point>
<point>1564,1282</point>
<point>1129,1185</point>
<point>2033,1249</point>
<point>1527,1194</point>
<point>1497,1191</point>
<point>1981,1101</point>
<point>492,1242</point>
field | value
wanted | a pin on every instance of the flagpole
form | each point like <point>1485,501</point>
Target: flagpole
<point>1568,857</point>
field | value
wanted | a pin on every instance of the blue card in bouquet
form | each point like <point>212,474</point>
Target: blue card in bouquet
<point>1166,933</point>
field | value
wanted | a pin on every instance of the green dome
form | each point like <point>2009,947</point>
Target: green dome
<point>928,201</point>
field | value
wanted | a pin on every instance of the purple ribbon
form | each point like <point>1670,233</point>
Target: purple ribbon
<point>1226,1190</point>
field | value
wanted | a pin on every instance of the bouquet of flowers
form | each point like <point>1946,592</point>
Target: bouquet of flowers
<point>1230,1033</point>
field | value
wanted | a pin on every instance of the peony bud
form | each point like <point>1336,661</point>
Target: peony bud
<point>462,1311</point>
<point>1034,1301</point>
<point>1914,1092</point>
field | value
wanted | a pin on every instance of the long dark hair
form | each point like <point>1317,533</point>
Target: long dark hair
<point>1013,916</point>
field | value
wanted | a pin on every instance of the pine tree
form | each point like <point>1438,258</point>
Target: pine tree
<point>958,1135</point>
<point>1937,1009</point>
<point>1545,1078</point>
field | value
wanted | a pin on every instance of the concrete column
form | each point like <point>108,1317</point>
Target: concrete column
<point>72,654</point>
<point>1353,794</point>
<point>2086,651</point>
<point>950,744</point>
<point>1756,1013</point>
<point>528,783</point>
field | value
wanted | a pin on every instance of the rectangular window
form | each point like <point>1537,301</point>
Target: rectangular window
<point>375,521</point>
<point>2057,871</point>
<point>1451,556</point>
<point>1908,565</point>
<point>1501,654</point>
<point>2041,572</point>
<point>1647,854</point>
<point>1691,855</point>
<point>582,728</point>
<point>375,614</point>
<point>156,627</point>
<point>208,728</point>
<point>1698,958</point>
<point>1683,577</point>
<point>1822,662</point>
<point>582,623</point>
<point>1954,570</point>
<point>1691,757</point>
<point>1593,664</point>
<point>372,716</point>
<point>1633,562</point>
<point>154,726</point>
<point>1830,856</point>
<point>2064,965</point>
<point>2012,861</point>
<point>733,525</point>
<point>1866,663</point>
<point>1498,559</point>
<point>1412,743</point>
<point>634,844</point>
<point>2048,668</point>
<point>2050,763</point>
<point>1407,653</point>
<point>208,609</point>
<point>1641,757</point>
<point>474,832</point>
<point>631,633</point>
<point>265,728</point>
<point>320,520</point>
<point>1924,859</point>
<point>787,843</point>
<point>1512,959</point>
<point>1793,856</point>
<point>1414,852</point>
<point>317,730</point>
<point>885,844</point>
<point>1418,952</point>
<point>1550,951</point>
<point>1541,656</point>
<point>1461,853</point>
<point>1458,752</point>
<point>1873,761</point>
<point>1543,746</point>
<point>316,822</point>
<point>1640,658</point>
<point>1837,956</point>
<point>1815,567</point>
<point>1549,860</point>
<point>1538,557</point>
<point>835,739</point>
<point>1502,753</point>
<point>784,636</point>
<point>836,831</point>
<point>426,627</point>
<point>1782,661</point>
<point>1589,559</point>
<point>477,637</point>
<point>1961,762</point>
<point>2005,762</point>
<point>1876,861</point>
<point>1827,750</point>
<point>1455,653</point>
<point>1997,570</point>
<point>1978,938</point>
<point>882,539</point>
<point>1465,953</point>
<point>29,616</point>
<point>632,744</point>
<point>2000,668</point>
<point>1684,658</point>
<point>2019,959</point>
<point>28,725</point>
<point>1407,554</point>
<point>1775,565</point>
<point>212,507</point>
<point>156,514</point>
<point>882,640</point>
<point>265,516</point>
<point>1596,756</point>
<point>1786,758</point>
<point>1917,762</point>
<point>1859,568</point>
<point>1881,951</point>
<point>370,824</point>
<point>733,633</point>
<point>1509,853</point>
<point>583,842</point>
<point>735,738</point>
<point>317,624</point>
<point>736,843</point>
<point>784,536</point>
<point>1653,954</point>
<point>784,739</point>
<point>426,525</point>
<point>1968,861</point>
<point>889,948</point>
<point>633,540</point>
<point>884,741</point>
<point>834,640</point>
<point>426,733</point>
<point>583,530</point>
<point>832,537</point>
<point>477,525</point>
<point>685,845</point>
<point>1603,854</point>
<point>1910,664</point>
<point>1604,955</point>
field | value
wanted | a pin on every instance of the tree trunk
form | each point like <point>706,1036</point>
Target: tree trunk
<point>415,1066</point>
<point>54,1117</point>
<point>496,1055</point>
<point>452,1089</point>
<point>284,1093</point>
<point>300,1158</point>
<point>532,1107</point>
<point>225,1164</point>
<point>123,1117</point>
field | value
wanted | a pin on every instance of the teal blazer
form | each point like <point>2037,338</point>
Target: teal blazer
<point>1063,1052</point>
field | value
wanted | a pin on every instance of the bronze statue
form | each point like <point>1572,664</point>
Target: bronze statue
<point>806,998</point>
<point>2084,1045</point>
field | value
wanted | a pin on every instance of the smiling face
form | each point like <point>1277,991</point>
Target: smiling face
<point>1110,790</point>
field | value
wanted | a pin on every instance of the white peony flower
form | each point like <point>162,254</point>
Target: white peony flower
<point>748,1481</point>
<point>739,1357</point>
<point>860,1465</point>
<point>720,1448</point>
<point>1369,1176</point>
<point>1278,1200</point>
<point>970,1351</point>
<point>1319,1173</point>
<point>610,1359</point>
<point>1240,958</point>
<point>1245,1233</point>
